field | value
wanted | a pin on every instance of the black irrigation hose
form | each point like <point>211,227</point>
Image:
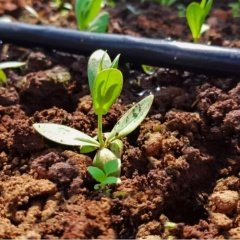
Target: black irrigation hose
<point>163,53</point>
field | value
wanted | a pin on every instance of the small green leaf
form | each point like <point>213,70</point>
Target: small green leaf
<point>131,119</point>
<point>106,89</point>
<point>3,77</point>
<point>148,69</point>
<point>203,3</point>
<point>195,14</point>
<point>97,62</point>
<point>111,180</point>
<point>64,135</point>
<point>207,8</point>
<point>5,65</point>
<point>112,166</point>
<point>115,62</point>
<point>82,8</point>
<point>94,9</point>
<point>100,23</point>
<point>97,174</point>
<point>87,149</point>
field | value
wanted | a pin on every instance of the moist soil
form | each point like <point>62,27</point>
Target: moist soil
<point>180,168</point>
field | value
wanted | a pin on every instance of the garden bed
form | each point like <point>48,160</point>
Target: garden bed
<point>180,168</point>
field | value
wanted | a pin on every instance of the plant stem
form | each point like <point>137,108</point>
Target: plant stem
<point>100,132</point>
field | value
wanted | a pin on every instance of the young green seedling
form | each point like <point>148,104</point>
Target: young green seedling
<point>5,65</point>
<point>89,17</point>
<point>196,14</point>
<point>104,176</point>
<point>235,7</point>
<point>105,83</point>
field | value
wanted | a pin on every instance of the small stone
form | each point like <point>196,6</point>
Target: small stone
<point>221,220</point>
<point>224,201</point>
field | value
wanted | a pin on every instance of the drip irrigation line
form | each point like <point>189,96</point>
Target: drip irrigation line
<point>154,52</point>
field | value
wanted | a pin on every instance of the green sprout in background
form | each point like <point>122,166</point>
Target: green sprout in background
<point>61,5</point>
<point>166,2</point>
<point>89,17</point>
<point>196,14</point>
<point>105,83</point>
<point>5,65</point>
<point>235,7</point>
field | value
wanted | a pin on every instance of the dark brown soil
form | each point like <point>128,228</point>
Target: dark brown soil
<point>182,165</point>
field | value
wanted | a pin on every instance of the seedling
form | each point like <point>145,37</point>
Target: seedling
<point>196,14</point>
<point>89,17</point>
<point>105,83</point>
<point>235,7</point>
<point>149,70</point>
<point>62,5</point>
<point>5,65</point>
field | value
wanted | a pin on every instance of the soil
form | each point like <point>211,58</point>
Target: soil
<point>180,168</point>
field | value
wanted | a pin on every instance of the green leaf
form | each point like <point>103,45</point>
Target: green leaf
<point>97,174</point>
<point>131,119</point>
<point>203,3</point>
<point>111,166</point>
<point>194,14</point>
<point>64,135</point>
<point>82,7</point>
<point>111,180</point>
<point>95,7</point>
<point>3,77</point>
<point>148,69</point>
<point>106,89</point>
<point>115,62</point>
<point>98,61</point>
<point>5,65</point>
<point>87,149</point>
<point>207,8</point>
<point>100,23</point>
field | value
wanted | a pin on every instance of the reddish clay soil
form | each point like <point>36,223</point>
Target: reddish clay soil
<point>182,165</point>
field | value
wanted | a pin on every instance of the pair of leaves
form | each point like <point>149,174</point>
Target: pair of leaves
<point>97,62</point>
<point>88,17</point>
<point>72,137</point>
<point>196,14</point>
<point>105,81</point>
<point>104,176</point>
<point>106,89</point>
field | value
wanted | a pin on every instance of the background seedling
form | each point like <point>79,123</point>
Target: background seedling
<point>105,83</point>
<point>89,17</point>
<point>196,14</point>
<point>5,65</point>
<point>166,2</point>
<point>235,7</point>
